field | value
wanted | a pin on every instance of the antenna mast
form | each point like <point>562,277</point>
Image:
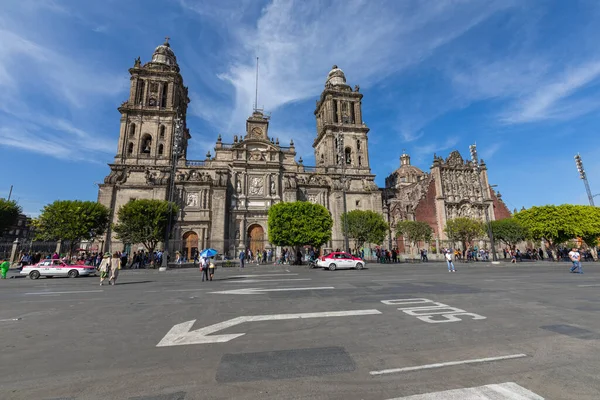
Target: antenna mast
<point>256,88</point>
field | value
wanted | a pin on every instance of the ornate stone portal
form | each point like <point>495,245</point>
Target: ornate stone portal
<point>450,190</point>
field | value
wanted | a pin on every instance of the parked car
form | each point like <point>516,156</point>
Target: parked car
<point>50,268</point>
<point>340,260</point>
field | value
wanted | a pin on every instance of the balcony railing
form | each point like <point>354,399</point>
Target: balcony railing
<point>195,163</point>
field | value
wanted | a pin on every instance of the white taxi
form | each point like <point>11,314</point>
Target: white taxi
<point>50,268</point>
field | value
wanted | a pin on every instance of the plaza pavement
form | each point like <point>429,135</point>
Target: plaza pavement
<point>407,331</point>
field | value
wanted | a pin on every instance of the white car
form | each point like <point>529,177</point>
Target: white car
<point>340,260</point>
<point>52,268</point>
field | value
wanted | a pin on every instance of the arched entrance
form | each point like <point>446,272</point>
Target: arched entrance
<point>190,244</point>
<point>256,238</point>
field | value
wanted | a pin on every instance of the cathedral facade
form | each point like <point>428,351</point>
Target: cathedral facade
<point>224,199</point>
<point>450,190</point>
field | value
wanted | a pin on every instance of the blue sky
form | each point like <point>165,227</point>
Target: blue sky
<point>521,78</point>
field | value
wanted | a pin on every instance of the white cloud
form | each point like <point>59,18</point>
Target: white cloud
<point>550,100</point>
<point>298,41</point>
<point>436,147</point>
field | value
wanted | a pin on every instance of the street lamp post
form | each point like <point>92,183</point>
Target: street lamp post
<point>344,180</point>
<point>583,177</point>
<point>177,147</point>
<point>477,168</point>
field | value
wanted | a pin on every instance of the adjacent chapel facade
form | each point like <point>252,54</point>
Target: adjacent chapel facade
<point>224,199</point>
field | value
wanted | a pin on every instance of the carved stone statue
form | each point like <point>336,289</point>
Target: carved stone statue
<point>238,187</point>
<point>273,191</point>
<point>256,185</point>
<point>192,200</point>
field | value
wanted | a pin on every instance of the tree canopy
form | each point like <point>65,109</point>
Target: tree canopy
<point>510,231</point>
<point>144,221</point>
<point>365,226</point>
<point>71,221</point>
<point>299,223</point>
<point>414,231</point>
<point>558,224</point>
<point>463,230</point>
<point>9,213</point>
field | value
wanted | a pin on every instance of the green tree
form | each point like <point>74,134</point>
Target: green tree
<point>463,230</point>
<point>9,213</point>
<point>71,221</point>
<point>510,231</point>
<point>414,231</point>
<point>365,226</point>
<point>145,222</point>
<point>558,224</point>
<point>299,223</point>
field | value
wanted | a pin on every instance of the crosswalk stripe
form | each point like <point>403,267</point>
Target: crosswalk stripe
<point>502,391</point>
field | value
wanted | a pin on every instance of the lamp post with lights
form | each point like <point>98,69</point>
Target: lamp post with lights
<point>176,153</point>
<point>583,177</point>
<point>477,169</point>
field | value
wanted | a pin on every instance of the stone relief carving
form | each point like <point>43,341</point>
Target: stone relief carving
<point>290,182</point>
<point>193,176</point>
<point>256,185</point>
<point>117,176</point>
<point>156,177</point>
<point>256,155</point>
<point>192,200</point>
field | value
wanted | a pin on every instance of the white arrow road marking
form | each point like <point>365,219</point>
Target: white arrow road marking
<point>259,290</point>
<point>181,334</point>
<point>269,280</point>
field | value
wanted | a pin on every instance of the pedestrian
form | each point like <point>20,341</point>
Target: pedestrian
<point>115,266</point>
<point>204,268</point>
<point>242,257</point>
<point>575,257</point>
<point>104,267</point>
<point>4,267</point>
<point>211,269</point>
<point>449,261</point>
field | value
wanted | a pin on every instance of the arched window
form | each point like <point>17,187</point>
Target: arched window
<point>130,148</point>
<point>322,158</point>
<point>357,145</point>
<point>160,149</point>
<point>359,161</point>
<point>162,131</point>
<point>146,144</point>
<point>348,155</point>
<point>132,130</point>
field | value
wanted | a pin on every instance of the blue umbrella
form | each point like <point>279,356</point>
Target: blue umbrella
<point>208,253</point>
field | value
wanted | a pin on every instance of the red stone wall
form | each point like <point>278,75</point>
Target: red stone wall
<point>500,209</point>
<point>425,210</point>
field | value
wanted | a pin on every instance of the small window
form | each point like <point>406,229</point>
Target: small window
<point>132,130</point>
<point>357,144</point>
<point>130,148</point>
<point>348,156</point>
<point>162,131</point>
<point>160,150</point>
<point>359,161</point>
<point>357,203</point>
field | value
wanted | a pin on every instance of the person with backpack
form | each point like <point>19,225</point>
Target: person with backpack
<point>211,269</point>
<point>104,267</point>
<point>204,268</point>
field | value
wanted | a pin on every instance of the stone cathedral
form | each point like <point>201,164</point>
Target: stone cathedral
<point>224,199</point>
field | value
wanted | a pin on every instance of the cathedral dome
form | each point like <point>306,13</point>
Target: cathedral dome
<point>336,76</point>
<point>164,55</point>
<point>407,174</point>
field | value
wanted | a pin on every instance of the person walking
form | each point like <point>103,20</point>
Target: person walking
<point>115,266</point>
<point>449,261</point>
<point>242,257</point>
<point>575,257</point>
<point>211,269</point>
<point>4,267</point>
<point>104,267</point>
<point>204,268</point>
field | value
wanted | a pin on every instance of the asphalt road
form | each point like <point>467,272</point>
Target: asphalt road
<point>529,331</point>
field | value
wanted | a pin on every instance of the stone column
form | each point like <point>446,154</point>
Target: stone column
<point>58,246</point>
<point>14,251</point>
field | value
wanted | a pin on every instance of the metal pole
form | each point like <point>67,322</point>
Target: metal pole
<point>343,161</point>
<point>10,192</point>
<point>582,176</point>
<point>475,160</point>
<point>175,151</point>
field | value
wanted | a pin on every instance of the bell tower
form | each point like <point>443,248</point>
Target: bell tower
<point>341,132</point>
<point>157,96</point>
